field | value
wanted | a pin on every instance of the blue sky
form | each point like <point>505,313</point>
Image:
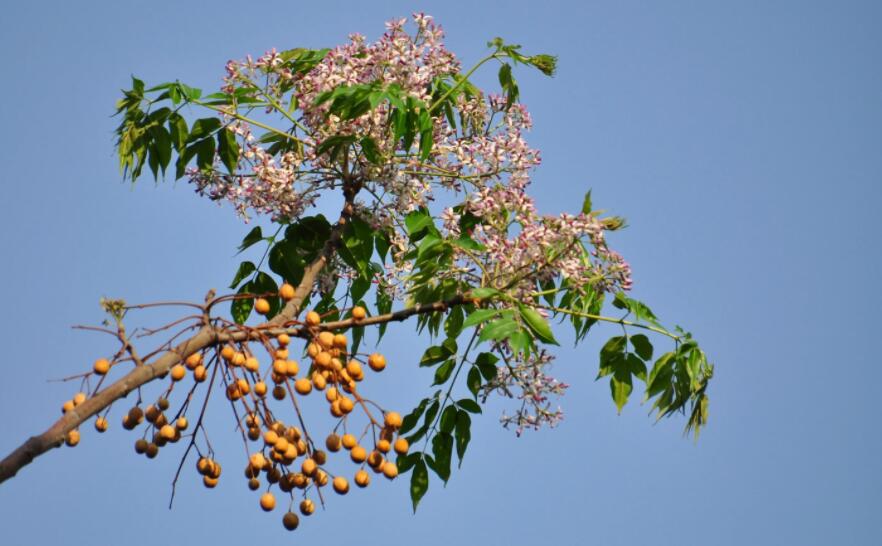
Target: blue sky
<point>742,142</point>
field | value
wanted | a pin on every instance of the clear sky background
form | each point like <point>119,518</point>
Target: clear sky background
<point>742,141</point>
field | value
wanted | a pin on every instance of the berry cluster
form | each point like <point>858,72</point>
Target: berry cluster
<point>283,456</point>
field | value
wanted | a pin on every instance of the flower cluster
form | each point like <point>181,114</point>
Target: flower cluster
<point>524,378</point>
<point>478,162</point>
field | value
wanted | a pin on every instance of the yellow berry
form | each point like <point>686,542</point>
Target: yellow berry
<point>178,372</point>
<point>341,485</point>
<point>303,386</point>
<point>101,424</point>
<point>377,362</point>
<point>101,366</point>
<point>261,306</point>
<point>286,292</point>
<point>393,420</point>
<point>358,312</point>
<point>267,502</point>
<point>401,446</point>
<point>313,319</point>
<point>362,478</point>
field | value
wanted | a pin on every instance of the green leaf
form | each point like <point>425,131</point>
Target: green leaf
<point>448,419</point>
<point>499,329</point>
<point>411,419</point>
<point>177,127</point>
<point>538,325</point>
<point>254,236</point>
<point>478,316</point>
<point>285,261</point>
<point>419,483</point>
<point>442,374</point>
<point>473,381</point>
<point>486,363</point>
<point>266,285</point>
<point>442,451</point>
<point>434,355</point>
<point>620,386</point>
<point>371,150</point>
<point>484,293</point>
<point>640,310</point>
<point>462,433</point>
<point>469,405</point>
<point>453,325</point>
<point>417,222</point>
<point>240,309</point>
<point>245,268</point>
<point>406,462</point>
<point>611,354</point>
<point>636,366</point>
<point>642,346</point>
<point>228,149</point>
<point>203,128</point>
<point>586,203</point>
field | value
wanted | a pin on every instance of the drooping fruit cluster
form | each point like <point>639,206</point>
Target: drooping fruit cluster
<point>283,456</point>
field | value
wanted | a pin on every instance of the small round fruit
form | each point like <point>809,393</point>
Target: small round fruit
<point>209,482</point>
<point>79,398</point>
<point>341,485</point>
<point>401,446</point>
<point>319,381</point>
<point>280,367</point>
<point>349,441</point>
<point>152,451</point>
<point>313,319</point>
<point>228,353</point>
<point>239,359</point>
<point>390,470</point>
<point>319,456</point>
<point>181,423</point>
<point>353,368</point>
<point>200,374</point>
<point>178,372</point>
<point>286,292</point>
<point>252,364</point>
<point>260,388</point>
<point>307,507</point>
<point>257,460</point>
<point>346,405</point>
<point>323,359</point>
<point>291,368</point>
<point>101,366</point>
<point>67,406</point>
<point>332,442</point>
<point>340,341</point>
<point>253,484</point>
<point>270,437</point>
<point>141,446</point>
<point>326,340</point>
<point>193,360</point>
<point>377,362</point>
<point>101,424</point>
<point>308,467</point>
<point>393,420</point>
<point>279,392</point>
<point>358,454</point>
<point>72,438</point>
<point>290,521</point>
<point>358,312</point>
<point>383,446</point>
<point>167,432</point>
<point>362,478</point>
<point>261,306</point>
<point>283,339</point>
<point>267,501</point>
